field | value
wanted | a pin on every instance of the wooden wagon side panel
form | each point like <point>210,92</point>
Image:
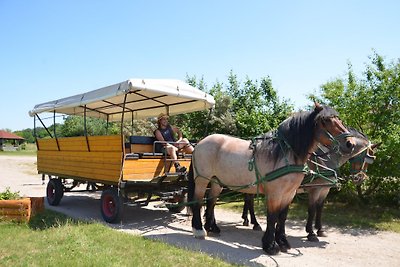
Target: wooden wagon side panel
<point>147,169</point>
<point>98,158</point>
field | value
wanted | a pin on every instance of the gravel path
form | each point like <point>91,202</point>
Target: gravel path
<point>237,244</point>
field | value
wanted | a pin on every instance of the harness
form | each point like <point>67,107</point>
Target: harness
<point>288,168</point>
<point>362,157</point>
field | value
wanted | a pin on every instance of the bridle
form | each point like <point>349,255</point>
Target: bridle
<point>365,157</point>
<point>334,147</point>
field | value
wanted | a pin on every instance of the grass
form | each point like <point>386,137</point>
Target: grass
<point>337,214</point>
<point>53,239</point>
<point>30,150</point>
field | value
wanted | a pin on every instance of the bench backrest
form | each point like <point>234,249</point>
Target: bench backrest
<point>142,144</point>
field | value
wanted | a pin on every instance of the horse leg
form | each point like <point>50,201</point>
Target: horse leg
<point>268,241</point>
<point>211,225</point>
<point>309,226</point>
<point>256,225</point>
<point>196,191</point>
<point>318,221</point>
<point>246,199</point>
<point>280,235</point>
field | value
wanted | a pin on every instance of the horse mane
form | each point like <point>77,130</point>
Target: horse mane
<point>296,133</point>
<point>357,133</point>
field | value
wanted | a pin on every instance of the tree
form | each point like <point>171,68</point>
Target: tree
<point>371,105</point>
<point>244,110</point>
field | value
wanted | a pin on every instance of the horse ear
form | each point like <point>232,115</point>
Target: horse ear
<point>318,107</point>
<point>373,146</point>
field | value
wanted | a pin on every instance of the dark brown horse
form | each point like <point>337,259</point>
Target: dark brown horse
<point>324,163</point>
<point>273,165</point>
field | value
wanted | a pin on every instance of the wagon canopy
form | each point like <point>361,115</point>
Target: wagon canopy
<point>135,98</point>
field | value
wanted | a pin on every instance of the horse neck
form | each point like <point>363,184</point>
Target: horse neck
<point>300,133</point>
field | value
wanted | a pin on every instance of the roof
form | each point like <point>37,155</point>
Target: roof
<point>144,98</point>
<point>8,135</point>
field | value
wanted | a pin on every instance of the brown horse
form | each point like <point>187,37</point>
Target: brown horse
<point>273,165</point>
<point>324,163</point>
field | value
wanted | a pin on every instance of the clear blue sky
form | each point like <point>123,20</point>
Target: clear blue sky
<point>53,49</point>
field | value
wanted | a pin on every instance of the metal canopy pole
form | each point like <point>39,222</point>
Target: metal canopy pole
<point>54,127</point>
<point>44,126</point>
<point>85,128</point>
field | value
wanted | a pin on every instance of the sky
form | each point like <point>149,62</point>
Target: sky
<point>55,49</point>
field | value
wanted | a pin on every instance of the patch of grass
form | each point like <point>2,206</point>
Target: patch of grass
<point>337,214</point>
<point>30,150</point>
<point>53,239</point>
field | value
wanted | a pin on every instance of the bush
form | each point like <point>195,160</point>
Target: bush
<point>7,195</point>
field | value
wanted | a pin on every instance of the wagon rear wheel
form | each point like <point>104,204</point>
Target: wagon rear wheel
<point>111,205</point>
<point>54,191</point>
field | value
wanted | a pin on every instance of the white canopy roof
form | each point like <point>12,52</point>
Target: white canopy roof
<point>144,98</point>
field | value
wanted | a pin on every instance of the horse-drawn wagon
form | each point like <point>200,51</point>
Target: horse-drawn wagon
<point>124,169</point>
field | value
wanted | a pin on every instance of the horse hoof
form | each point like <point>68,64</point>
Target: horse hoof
<point>273,249</point>
<point>257,227</point>
<point>199,234</point>
<point>284,246</point>
<point>312,238</point>
<point>321,233</point>
<point>246,222</point>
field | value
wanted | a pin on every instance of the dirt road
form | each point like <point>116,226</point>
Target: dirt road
<point>237,244</point>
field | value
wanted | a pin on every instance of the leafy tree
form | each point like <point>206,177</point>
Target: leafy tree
<point>371,105</point>
<point>244,110</point>
<point>256,106</point>
<point>74,126</point>
<point>27,134</point>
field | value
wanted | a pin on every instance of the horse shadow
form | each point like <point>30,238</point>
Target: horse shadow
<point>236,244</point>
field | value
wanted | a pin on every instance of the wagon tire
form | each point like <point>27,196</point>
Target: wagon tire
<point>54,191</point>
<point>178,206</point>
<point>111,205</point>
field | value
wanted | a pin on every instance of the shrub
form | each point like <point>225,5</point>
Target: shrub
<point>7,194</point>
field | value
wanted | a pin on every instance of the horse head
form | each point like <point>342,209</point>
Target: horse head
<point>331,132</point>
<point>359,163</point>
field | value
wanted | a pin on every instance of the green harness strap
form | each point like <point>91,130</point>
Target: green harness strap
<point>276,173</point>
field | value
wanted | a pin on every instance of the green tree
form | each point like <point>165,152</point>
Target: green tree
<point>371,105</point>
<point>244,110</point>
<point>256,106</point>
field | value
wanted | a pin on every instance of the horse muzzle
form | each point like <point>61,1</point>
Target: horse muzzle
<point>359,177</point>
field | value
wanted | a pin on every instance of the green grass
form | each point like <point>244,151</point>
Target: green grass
<point>52,239</point>
<point>30,150</point>
<point>337,214</point>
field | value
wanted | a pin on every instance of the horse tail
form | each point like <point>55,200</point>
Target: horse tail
<point>191,184</point>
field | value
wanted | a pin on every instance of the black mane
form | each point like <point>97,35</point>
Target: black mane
<point>296,133</point>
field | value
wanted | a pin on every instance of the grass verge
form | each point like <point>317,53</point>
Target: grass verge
<point>53,239</point>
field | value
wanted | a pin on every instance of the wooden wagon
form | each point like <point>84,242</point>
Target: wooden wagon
<point>126,170</point>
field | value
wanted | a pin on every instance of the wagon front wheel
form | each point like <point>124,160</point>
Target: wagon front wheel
<point>111,205</point>
<point>54,191</point>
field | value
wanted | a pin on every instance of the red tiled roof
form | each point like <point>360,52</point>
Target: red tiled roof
<point>7,135</point>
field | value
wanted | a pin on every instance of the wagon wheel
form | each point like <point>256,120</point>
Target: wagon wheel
<point>177,204</point>
<point>54,191</point>
<point>111,205</point>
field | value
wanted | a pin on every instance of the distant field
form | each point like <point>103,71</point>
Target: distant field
<point>30,150</point>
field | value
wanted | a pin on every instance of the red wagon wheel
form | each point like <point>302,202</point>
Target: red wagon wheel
<point>111,205</point>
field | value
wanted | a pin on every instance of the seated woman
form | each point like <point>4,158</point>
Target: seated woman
<point>166,132</point>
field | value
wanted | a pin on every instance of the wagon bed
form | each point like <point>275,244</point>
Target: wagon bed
<point>124,170</point>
